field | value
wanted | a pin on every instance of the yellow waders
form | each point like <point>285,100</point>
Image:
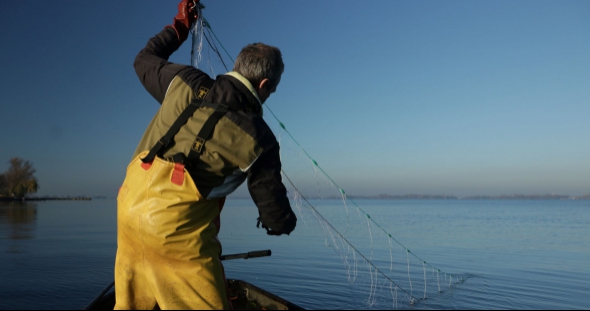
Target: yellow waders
<point>168,252</point>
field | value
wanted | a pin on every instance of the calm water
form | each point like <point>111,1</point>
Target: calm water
<point>517,254</point>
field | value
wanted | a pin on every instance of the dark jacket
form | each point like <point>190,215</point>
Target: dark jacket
<point>241,146</point>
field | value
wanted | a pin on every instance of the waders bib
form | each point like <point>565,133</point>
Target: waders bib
<point>168,252</point>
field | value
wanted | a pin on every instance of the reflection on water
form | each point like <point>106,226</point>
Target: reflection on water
<point>18,221</point>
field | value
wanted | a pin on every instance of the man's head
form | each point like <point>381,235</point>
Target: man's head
<point>263,66</point>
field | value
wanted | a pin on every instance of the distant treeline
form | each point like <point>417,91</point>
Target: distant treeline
<point>45,199</point>
<point>477,197</point>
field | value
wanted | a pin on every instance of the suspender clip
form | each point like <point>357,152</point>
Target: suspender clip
<point>198,144</point>
<point>164,141</point>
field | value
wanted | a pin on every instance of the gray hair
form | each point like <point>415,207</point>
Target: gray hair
<point>258,61</point>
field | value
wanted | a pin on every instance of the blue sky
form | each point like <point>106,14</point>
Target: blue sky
<point>431,97</point>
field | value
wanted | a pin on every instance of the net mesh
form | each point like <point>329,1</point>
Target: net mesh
<point>381,272</point>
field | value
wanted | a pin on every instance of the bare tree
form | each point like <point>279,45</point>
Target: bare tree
<point>20,179</point>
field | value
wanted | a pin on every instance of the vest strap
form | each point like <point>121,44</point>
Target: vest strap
<point>206,132</point>
<point>166,141</point>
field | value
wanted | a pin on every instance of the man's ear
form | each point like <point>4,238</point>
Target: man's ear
<point>264,83</point>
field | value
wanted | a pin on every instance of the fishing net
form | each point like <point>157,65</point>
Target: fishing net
<point>202,30</point>
<point>381,272</point>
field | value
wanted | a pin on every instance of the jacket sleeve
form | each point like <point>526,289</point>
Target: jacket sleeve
<point>269,193</point>
<point>152,66</point>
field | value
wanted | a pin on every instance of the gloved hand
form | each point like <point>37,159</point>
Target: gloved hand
<point>187,15</point>
<point>268,230</point>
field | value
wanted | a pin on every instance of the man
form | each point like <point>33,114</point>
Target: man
<point>206,139</point>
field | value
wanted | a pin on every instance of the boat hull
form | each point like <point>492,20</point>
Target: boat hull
<point>244,296</point>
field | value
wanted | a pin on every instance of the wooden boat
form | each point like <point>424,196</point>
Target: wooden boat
<point>243,295</point>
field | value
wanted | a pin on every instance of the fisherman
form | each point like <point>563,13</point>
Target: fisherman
<point>206,139</point>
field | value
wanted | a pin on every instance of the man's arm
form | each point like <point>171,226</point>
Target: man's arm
<point>269,193</point>
<point>151,64</point>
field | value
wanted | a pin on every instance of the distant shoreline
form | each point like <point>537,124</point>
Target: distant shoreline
<point>357,197</point>
<point>449,197</point>
<point>12,199</point>
<point>477,197</point>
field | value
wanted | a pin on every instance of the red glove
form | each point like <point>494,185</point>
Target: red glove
<point>187,15</point>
